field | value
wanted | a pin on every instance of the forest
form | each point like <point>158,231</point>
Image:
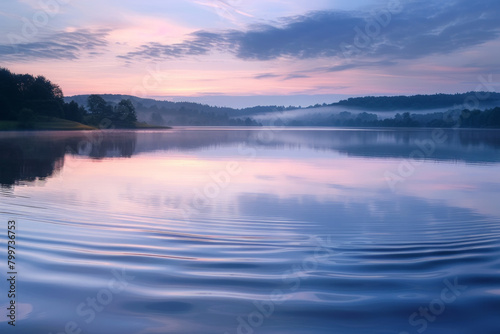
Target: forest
<point>417,102</point>
<point>29,100</point>
<point>489,118</point>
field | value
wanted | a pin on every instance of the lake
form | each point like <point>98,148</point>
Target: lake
<point>253,230</point>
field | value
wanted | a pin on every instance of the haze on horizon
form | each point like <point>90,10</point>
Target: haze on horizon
<point>218,50</point>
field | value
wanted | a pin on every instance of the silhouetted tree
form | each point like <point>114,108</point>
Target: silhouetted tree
<point>18,91</point>
<point>98,106</point>
<point>100,110</point>
<point>9,95</point>
<point>125,112</point>
<point>74,112</point>
<point>26,118</point>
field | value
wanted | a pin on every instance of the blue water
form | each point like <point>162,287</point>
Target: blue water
<point>233,230</point>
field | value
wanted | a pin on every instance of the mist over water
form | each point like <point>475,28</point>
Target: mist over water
<point>320,115</point>
<point>237,230</point>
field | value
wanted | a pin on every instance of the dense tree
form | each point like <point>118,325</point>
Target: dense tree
<point>102,112</point>
<point>489,118</point>
<point>125,112</point>
<point>99,107</point>
<point>416,101</point>
<point>9,95</point>
<point>74,112</point>
<point>19,91</point>
<point>26,118</point>
<point>493,117</point>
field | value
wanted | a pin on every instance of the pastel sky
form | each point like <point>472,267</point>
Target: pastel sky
<point>196,48</point>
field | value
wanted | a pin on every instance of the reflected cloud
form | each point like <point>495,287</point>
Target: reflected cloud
<point>27,157</point>
<point>302,190</point>
<point>353,215</point>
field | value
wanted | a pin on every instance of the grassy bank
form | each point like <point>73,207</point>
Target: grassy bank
<point>52,124</point>
<point>61,124</point>
<point>8,125</point>
<point>64,125</point>
<point>145,126</point>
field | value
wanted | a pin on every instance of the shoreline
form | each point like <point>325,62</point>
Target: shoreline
<point>66,125</point>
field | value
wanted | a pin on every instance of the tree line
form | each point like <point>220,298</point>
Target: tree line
<point>415,102</point>
<point>489,118</point>
<point>27,99</point>
<point>192,117</point>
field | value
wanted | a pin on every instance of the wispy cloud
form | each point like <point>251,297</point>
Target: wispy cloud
<point>354,64</point>
<point>199,43</point>
<point>227,9</point>
<point>295,76</point>
<point>266,76</point>
<point>282,77</point>
<point>61,45</point>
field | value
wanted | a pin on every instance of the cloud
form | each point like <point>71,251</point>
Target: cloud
<point>62,45</point>
<point>349,65</point>
<point>295,76</point>
<point>200,43</point>
<point>266,76</point>
<point>282,76</point>
<point>418,29</point>
<point>225,8</point>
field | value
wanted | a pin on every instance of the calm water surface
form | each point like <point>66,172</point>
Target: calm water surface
<point>227,230</point>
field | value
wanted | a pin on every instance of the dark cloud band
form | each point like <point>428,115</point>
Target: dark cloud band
<point>62,45</point>
<point>413,29</point>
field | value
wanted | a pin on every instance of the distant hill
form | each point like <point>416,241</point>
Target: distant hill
<point>157,112</point>
<point>375,103</point>
<point>151,103</point>
<point>417,110</point>
<point>421,102</point>
<point>148,103</point>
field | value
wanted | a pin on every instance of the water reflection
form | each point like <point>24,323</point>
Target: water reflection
<point>38,155</point>
<point>118,200</point>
